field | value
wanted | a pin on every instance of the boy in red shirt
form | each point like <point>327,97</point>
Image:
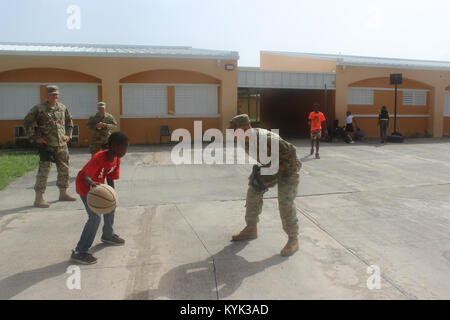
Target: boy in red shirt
<point>104,164</point>
<point>316,121</point>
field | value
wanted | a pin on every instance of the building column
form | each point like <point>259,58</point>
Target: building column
<point>341,99</point>
<point>437,105</point>
<point>229,98</point>
<point>111,96</point>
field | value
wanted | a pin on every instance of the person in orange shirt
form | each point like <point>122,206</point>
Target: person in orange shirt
<point>316,121</point>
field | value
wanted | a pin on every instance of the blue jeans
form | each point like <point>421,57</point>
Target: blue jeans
<point>91,227</point>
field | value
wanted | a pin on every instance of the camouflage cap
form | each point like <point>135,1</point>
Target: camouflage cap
<point>101,105</point>
<point>239,121</point>
<point>52,90</point>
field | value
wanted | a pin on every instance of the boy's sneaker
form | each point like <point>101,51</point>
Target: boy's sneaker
<point>83,258</point>
<point>115,240</point>
<point>317,156</point>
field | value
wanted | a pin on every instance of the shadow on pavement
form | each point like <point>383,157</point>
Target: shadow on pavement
<point>15,284</point>
<point>195,281</point>
<point>53,183</point>
<point>15,210</point>
<point>307,158</point>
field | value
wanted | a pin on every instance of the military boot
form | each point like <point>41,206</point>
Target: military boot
<point>292,244</point>
<point>248,233</point>
<point>39,201</point>
<point>63,196</point>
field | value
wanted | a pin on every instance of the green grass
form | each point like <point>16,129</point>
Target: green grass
<point>15,165</point>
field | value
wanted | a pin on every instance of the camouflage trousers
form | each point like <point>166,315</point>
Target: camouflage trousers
<point>96,147</point>
<point>61,155</point>
<point>287,191</point>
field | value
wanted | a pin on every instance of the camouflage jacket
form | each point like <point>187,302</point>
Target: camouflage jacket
<point>100,136</point>
<point>288,162</point>
<point>52,123</point>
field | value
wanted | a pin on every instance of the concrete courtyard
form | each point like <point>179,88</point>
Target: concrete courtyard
<point>360,205</point>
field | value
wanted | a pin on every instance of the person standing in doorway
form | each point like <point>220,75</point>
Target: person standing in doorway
<point>316,121</point>
<point>383,123</point>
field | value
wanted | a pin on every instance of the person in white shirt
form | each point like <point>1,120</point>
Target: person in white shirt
<point>349,123</point>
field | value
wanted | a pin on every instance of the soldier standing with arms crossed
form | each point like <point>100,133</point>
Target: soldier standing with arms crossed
<point>287,178</point>
<point>55,125</point>
<point>102,124</point>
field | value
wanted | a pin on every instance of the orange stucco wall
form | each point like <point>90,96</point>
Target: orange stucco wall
<point>7,131</point>
<point>145,131</point>
<point>110,72</point>
<point>45,75</point>
<point>387,98</point>
<point>447,126</point>
<point>84,133</point>
<point>435,81</point>
<point>407,126</point>
<point>169,76</point>
<point>271,61</point>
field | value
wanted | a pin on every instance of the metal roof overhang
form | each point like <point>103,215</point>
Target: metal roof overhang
<point>116,51</point>
<point>255,78</point>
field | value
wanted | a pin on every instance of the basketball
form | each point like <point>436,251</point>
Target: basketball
<point>102,199</point>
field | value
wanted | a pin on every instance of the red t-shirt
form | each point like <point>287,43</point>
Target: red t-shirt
<point>316,120</point>
<point>98,168</point>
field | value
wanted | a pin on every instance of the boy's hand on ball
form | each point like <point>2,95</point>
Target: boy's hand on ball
<point>94,184</point>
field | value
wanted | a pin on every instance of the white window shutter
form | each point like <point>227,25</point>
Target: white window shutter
<point>16,100</point>
<point>80,99</point>
<point>196,101</point>
<point>414,98</point>
<point>360,96</point>
<point>447,104</point>
<point>142,100</point>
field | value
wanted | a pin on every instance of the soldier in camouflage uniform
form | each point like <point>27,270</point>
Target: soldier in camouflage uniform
<point>55,126</point>
<point>102,124</point>
<point>287,179</point>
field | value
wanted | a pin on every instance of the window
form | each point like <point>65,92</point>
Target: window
<point>19,132</point>
<point>17,99</point>
<point>249,102</point>
<point>75,134</point>
<point>144,100</point>
<point>447,104</point>
<point>360,96</point>
<point>198,100</point>
<point>414,98</point>
<point>80,99</point>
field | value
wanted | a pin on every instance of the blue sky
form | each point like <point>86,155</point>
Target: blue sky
<point>395,28</point>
